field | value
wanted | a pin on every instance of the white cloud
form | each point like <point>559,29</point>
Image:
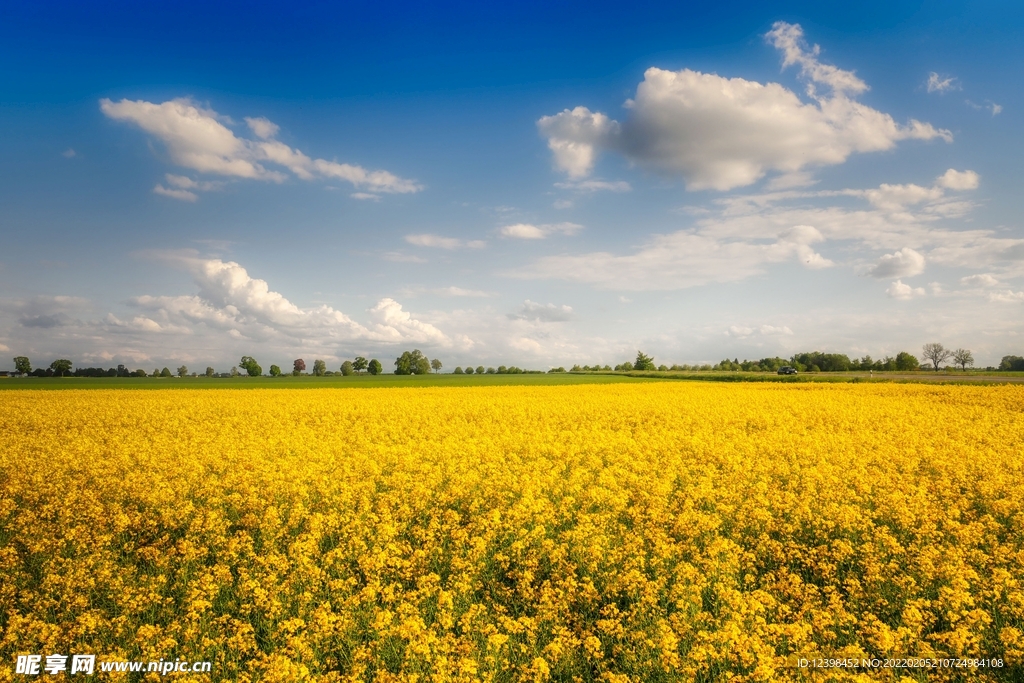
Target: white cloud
<point>979,280</point>
<point>775,330</point>
<point>459,291</point>
<point>996,109</point>
<point>595,185</point>
<point>186,183</point>
<point>941,85</point>
<point>183,195</point>
<point>958,180</point>
<point>528,231</point>
<point>542,313</point>
<point>904,263</point>
<point>262,128</point>
<point>365,196</point>
<point>898,290</point>
<point>562,204</point>
<point>682,259</point>
<point>1006,296</point>
<point>439,242</point>
<point>69,153</point>
<point>720,133</point>
<point>232,302</point>
<point>744,331</point>
<point>199,139</point>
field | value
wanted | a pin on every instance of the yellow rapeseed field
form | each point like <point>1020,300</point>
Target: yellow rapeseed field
<point>623,532</point>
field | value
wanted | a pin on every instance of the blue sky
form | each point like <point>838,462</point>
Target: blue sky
<point>528,185</point>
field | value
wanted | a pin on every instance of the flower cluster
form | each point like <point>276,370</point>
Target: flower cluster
<point>626,532</point>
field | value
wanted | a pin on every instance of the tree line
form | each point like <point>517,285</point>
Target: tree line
<point>416,363</point>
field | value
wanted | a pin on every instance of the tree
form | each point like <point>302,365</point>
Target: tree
<point>412,363</point>
<point>643,362</point>
<point>60,366</point>
<point>348,368</point>
<point>435,365</point>
<point>375,368</point>
<point>469,369</point>
<point>234,371</point>
<point>166,372</point>
<point>139,373</point>
<point>275,371</point>
<point>251,367</point>
<point>22,365</point>
<point>1011,363</point>
<point>491,371</point>
<point>905,361</point>
<point>298,367</point>
<point>963,358</point>
<point>457,370</point>
<point>182,371</point>
<point>319,368</point>
<point>360,364</point>
<point>936,353</point>
<point>480,370</point>
<point>210,372</point>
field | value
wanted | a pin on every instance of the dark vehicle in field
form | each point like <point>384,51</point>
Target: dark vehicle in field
<point>786,370</point>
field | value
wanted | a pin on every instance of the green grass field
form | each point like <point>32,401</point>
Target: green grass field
<point>450,380</point>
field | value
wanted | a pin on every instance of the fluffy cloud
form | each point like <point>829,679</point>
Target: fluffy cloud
<point>979,280</point>
<point>742,331</point>
<point>898,290</point>
<point>595,185</point>
<point>542,313</point>
<point>903,263</point>
<point>439,242</point>
<point>722,133</point>
<point>528,231</point>
<point>958,180</point>
<point>230,301</point>
<point>200,139</point>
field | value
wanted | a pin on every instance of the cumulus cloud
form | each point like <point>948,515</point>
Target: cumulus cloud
<point>233,302</point>
<point>528,231</point>
<point>991,106</point>
<point>461,292</point>
<point>898,290</point>
<point>69,153</point>
<point>904,263</point>
<point>979,280</point>
<point>721,133</point>
<point>542,313</point>
<point>200,139</point>
<point>941,85</point>
<point>958,180</point>
<point>439,242</point>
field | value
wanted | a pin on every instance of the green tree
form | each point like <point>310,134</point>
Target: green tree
<point>60,366</point>
<point>936,354</point>
<point>963,358</point>
<point>469,369</point>
<point>491,371</point>
<point>1011,363</point>
<point>139,373</point>
<point>210,372</point>
<point>251,367</point>
<point>348,368</point>
<point>234,371</point>
<point>480,369</point>
<point>435,365</point>
<point>412,363</point>
<point>22,365</point>
<point>275,371</point>
<point>905,362</point>
<point>183,371</point>
<point>502,370</point>
<point>643,362</point>
<point>319,368</point>
<point>457,370</point>
<point>166,372</point>
<point>360,364</point>
<point>375,368</point>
